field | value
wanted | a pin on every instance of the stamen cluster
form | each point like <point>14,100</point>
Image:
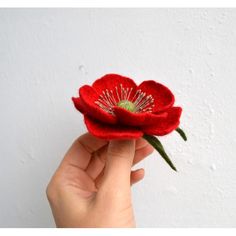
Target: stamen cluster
<point>138,103</point>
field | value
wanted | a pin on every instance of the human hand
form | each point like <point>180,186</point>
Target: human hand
<point>92,185</point>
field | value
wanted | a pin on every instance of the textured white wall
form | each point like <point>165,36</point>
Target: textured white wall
<point>45,55</point>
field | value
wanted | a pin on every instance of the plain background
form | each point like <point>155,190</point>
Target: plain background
<point>47,54</point>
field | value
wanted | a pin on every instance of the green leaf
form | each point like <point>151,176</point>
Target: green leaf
<point>154,141</point>
<point>181,133</point>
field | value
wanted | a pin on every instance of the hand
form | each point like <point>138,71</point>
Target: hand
<point>91,187</point>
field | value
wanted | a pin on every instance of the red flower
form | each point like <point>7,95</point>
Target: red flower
<point>115,107</point>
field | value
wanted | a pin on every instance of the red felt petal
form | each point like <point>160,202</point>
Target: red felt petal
<point>137,119</point>
<point>111,81</point>
<point>166,125</point>
<point>163,97</point>
<point>88,96</point>
<point>78,105</point>
<point>108,132</point>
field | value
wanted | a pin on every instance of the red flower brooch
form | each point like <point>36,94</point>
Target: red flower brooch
<point>114,107</point>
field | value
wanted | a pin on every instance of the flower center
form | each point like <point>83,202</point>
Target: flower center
<point>126,105</point>
<point>123,97</point>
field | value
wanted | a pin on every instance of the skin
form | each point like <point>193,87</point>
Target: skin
<point>92,185</point>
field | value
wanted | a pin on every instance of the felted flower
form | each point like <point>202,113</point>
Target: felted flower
<point>114,107</point>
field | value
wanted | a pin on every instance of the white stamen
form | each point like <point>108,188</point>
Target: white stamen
<point>140,97</point>
<point>121,92</point>
<point>108,100</point>
<point>117,94</point>
<point>129,93</point>
<point>145,102</point>
<point>137,92</point>
<point>113,98</point>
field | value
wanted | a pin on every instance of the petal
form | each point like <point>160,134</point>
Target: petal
<point>78,105</point>
<point>163,97</point>
<point>106,131</point>
<point>111,81</point>
<point>88,96</point>
<point>137,119</point>
<point>166,125</point>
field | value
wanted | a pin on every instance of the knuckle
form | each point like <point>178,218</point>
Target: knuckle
<point>51,190</point>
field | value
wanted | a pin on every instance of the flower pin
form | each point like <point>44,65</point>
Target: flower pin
<point>114,107</point>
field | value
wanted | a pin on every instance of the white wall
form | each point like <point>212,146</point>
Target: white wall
<point>45,55</point>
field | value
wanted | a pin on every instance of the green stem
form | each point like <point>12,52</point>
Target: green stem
<point>154,141</point>
<point>181,133</point>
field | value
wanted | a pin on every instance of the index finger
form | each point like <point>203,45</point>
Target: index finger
<point>80,152</point>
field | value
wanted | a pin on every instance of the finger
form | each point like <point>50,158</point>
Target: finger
<point>81,150</point>
<point>142,152</point>
<point>120,155</point>
<point>97,163</point>
<point>98,180</point>
<point>139,143</point>
<point>136,176</point>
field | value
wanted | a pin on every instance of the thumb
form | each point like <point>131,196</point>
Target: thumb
<point>120,155</point>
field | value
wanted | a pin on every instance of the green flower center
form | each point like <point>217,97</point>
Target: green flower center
<point>127,105</point>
